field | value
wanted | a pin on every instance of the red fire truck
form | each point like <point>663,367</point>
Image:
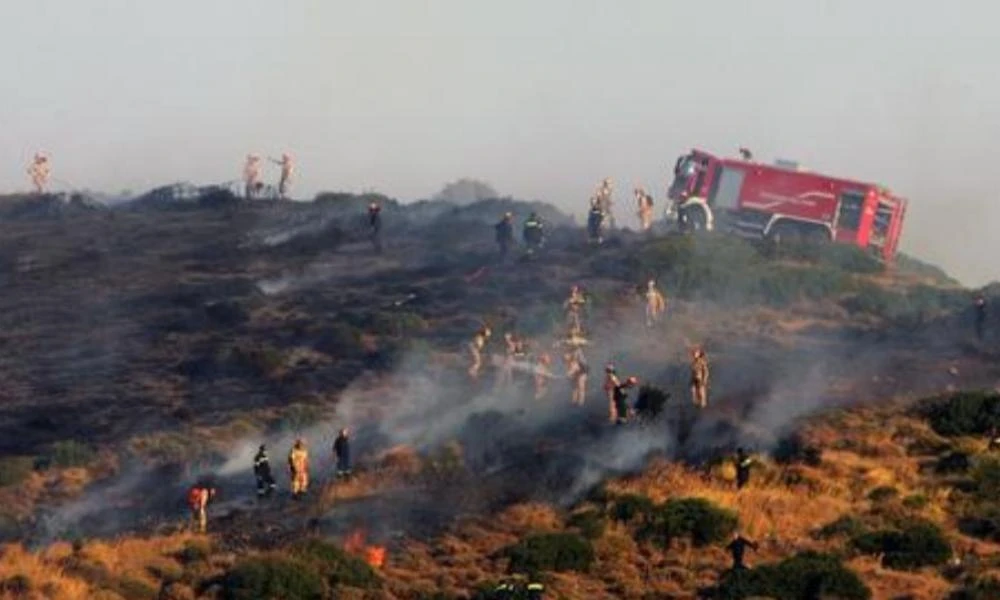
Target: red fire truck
<point>781,201</point>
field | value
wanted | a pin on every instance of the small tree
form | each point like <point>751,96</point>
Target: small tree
<point>694,518</point>
<point>550,552</point>
<point>273,577</point>
<point>917,545</point>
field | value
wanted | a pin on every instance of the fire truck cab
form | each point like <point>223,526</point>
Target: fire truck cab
<point>782,201</point>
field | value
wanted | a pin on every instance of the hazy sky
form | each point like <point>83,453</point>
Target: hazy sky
<point>541,98</point>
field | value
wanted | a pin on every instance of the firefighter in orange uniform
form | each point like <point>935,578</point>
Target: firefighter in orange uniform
<point>298,464</point>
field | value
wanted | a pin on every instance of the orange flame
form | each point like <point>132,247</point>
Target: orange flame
<point>375,556</point>
<point>354,543</point>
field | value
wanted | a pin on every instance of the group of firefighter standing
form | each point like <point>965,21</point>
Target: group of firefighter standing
<point>517,358</point>
<point>202,493</point>
<point>599,218</point>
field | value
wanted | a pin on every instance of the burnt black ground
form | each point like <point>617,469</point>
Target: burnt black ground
<point>119,323</point>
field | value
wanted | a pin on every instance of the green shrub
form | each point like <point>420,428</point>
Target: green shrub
<point>69,453</point>
<point>590,523</point>
<point>982,589</point>
<point>981,520</point>
<point>917,545</point>
<point>629,507</point>
<point>17,586</point>
<point>550,552</point>
<point>805,576</point>
<point>847,525</point>
<point>952,462</point>
<point>916,501</point>
<point>985,478</point>
<point>193,552</point>
<point>962,413</point>
<point>136,589</point>
<point>273,577</point>
<point>883,493</point>
<point>694,518</point>
<point>15,469</point>
<point>793,449</point>
<point>335,565</point>
<point>263,360</point>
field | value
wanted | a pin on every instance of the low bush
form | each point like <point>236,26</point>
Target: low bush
<point>550,552</point>
<point>590,523</point>
<point>335,565</point>
<point>630,507</point>
<point>807,575</point>
<point>694,518</point>
<point>17,586</point>
<point>883,493</point>
<point>985,479</point>
<point>847,526</point>
<point>70,453</point>
<point>917,545</point>
<point>273,577</point>
<point>194,552</point>
<point>15,469</point>
<point>952,462</point>
<point>981,520</point>
<point>962,413</point>
<point>982,589</point>
<point>916,501</point>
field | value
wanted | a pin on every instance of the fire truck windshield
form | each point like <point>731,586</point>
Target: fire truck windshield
<point>684,171</point>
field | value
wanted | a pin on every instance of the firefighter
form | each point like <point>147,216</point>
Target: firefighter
<point>251,175</point>
<point>980,306</point>
<point>743,462</point>
<point>533,233</point>
<point>611,382</point>
<point>287,168</point>
<point>737,548</point>
<point>645,204</point>
<point>699,378</point>
<point>342,451</point>
<point>510,347</point>
<point>505,234</point>
<point>262,472</point>
<point>573,306</point>
<point>604,199</point>
<point>39,170</point>
<point>595,222</point>
<point>620,394</point>
<point>476,350</point>
<point>198,498</point>
<point>576,371</point>
<point>298,465</point>
<point>542,375</point>
<point>375,225</point>
<point>655,303</point>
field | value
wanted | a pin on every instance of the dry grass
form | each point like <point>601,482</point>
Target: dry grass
<point>863,449</point>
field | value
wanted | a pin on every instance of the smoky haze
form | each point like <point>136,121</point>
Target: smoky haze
<point>541,100</point>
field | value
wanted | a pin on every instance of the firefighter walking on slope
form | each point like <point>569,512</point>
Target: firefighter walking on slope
<point>645,206</point>
<point>655,303</point>
<point>699,378</point>
<point>576,372</point>
<point>198,498</point>
<point>298,465</point>
<point>476,347</point>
